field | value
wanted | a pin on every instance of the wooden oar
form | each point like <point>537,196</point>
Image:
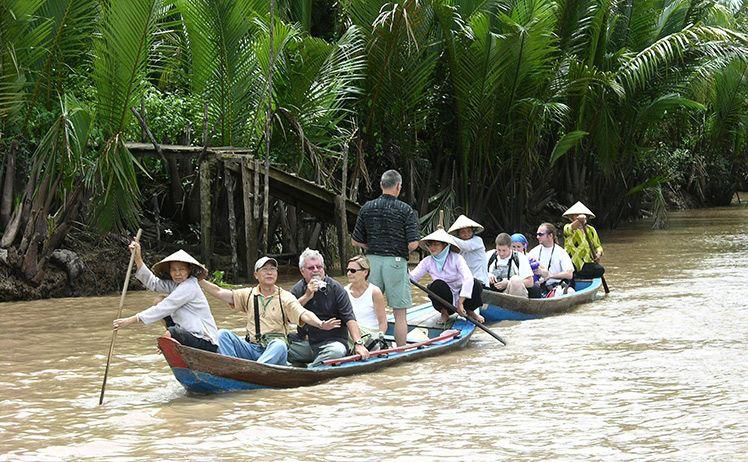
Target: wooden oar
<point>119,314</point>
<point>605,285</point>
<point>451,307</point>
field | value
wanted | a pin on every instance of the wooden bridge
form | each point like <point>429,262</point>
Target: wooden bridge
<point>321,203</point>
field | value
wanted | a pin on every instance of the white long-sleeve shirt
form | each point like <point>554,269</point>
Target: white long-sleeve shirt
<point>186,304</point>
<point>474,252</point>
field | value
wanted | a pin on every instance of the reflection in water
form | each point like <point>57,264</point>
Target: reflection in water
<point>654,371</point>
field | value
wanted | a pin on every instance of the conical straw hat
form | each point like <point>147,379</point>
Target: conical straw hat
<point>464,222</point>
<point>578,209</point>
<point>440,236</point>
<point>161,269</point>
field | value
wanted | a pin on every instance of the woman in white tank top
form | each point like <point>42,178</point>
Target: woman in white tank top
<point>366,298</point>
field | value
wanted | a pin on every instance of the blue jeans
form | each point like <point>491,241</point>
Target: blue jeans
<point>230,344</point>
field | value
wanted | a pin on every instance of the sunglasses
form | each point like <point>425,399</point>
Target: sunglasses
<point>315,267</point>
<point>354,270</point>
<point>541,234</point>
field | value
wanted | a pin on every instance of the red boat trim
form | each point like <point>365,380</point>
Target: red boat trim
<point>446,335</point>
<point>168,347</point>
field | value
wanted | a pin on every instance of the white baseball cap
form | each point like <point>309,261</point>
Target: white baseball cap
<point>262,261</point>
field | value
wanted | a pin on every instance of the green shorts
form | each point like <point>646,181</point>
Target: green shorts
<point>391,275</point>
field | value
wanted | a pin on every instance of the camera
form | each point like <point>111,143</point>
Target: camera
<point>321,284</point>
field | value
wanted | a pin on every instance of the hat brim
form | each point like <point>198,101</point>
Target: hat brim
<point>578,209</point>
<point>440,236</point>
<point>463,222</point>
<point>161,269</point>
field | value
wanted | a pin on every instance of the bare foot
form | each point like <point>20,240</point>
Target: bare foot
<point>444,317</point>
<point>476,317</point>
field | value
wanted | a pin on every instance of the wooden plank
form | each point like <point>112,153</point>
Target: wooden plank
<point>249,239</point>
<point>205,212</point>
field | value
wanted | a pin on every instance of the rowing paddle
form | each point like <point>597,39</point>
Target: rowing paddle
<point>451,307</point>
<point>119,315</point>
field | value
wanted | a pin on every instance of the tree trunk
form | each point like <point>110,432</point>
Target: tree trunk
<point>205,212</point>
<point>6,205</point>
<point>256,203</point>
<point>250,224</point>
<point>228,180</point>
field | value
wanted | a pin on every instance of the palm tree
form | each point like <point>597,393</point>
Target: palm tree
<point>59,180</point>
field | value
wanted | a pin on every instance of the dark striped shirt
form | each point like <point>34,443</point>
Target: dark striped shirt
<point>386,225</point>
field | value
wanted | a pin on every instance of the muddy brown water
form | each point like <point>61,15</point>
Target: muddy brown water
<point>655,371</point>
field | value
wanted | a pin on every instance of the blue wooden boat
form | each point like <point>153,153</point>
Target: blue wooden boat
<point>503,307</point>
<point>205,372</point>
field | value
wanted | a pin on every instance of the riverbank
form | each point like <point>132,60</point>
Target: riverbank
<point>98,266</point>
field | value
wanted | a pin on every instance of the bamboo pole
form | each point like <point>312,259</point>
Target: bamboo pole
<point>119,315</point>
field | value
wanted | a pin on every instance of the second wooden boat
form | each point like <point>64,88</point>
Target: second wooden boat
<point>502,307</point>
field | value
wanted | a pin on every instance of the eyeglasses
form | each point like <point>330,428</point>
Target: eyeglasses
<point>354,270</point>
<point>541,234</point>
<point>314,267</point>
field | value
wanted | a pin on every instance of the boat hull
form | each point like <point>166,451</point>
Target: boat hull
<point>205,372</point>
<point>502,307</point>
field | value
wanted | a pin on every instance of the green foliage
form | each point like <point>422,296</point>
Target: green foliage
<point>494,107</point>
<point>216,277</point>
<point>169,116</point>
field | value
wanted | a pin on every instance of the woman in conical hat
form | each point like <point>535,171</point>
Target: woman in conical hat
<point>473,250</point>
<point>582,243</point>
<point>452,279</point>
<point>185,309</point>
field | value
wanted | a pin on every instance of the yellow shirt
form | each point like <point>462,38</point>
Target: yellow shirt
<point>271,318</point>
<point>578,246</point>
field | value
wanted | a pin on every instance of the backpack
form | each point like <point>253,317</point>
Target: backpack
<point>513,259</point>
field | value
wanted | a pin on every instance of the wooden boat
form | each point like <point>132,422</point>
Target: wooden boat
<point>503,307</point>
<point>201,371</point>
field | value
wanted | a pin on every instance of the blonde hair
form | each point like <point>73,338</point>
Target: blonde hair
<point>363,262</point>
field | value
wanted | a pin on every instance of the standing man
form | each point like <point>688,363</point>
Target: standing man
<point>326,298</point>
<point>387,228</point>
<point>270,310</point>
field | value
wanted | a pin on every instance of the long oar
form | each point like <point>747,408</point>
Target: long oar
<point>119,314</point>
<point>605,285</point>
<point>451,307</point>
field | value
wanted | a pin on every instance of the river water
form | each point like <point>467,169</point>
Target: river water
<point>655,371</point>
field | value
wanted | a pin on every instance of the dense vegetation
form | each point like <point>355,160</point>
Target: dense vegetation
<point>501,108</point>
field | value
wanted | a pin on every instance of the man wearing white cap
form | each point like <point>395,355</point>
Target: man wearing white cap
<point>582,243</point>
<point>185,309</point>
<point>270,310</point>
